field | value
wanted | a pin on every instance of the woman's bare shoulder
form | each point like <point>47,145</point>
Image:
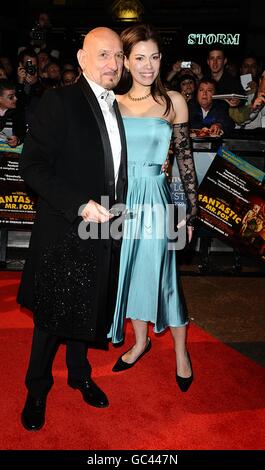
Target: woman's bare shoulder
<point>180,110</point>
<point>176,97</point>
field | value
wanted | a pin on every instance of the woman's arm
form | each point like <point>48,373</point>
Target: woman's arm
<point>182,152</point>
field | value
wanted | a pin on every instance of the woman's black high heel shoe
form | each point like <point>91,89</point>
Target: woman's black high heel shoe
<point>184,383</point>
<point>122,365</point>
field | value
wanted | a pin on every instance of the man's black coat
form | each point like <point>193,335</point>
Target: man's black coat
<point>67,160</point>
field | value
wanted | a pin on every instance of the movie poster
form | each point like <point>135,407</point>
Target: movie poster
<point>17,204</point>
<point>232,202</point>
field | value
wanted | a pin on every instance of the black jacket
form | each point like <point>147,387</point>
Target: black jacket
<point>67,160</point>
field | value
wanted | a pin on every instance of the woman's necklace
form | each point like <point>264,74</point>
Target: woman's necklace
<point>140,97</point>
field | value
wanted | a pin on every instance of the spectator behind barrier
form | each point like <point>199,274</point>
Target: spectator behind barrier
<point>68,77</point>
<point>251,116</point>
<point>10,117</point>
<point>226,83</point>
<point>187,86</point>
<point>209,113</point>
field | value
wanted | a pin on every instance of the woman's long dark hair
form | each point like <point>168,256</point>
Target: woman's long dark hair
<point>131,36</point>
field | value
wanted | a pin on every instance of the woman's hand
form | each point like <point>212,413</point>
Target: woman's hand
<point>166,167</point>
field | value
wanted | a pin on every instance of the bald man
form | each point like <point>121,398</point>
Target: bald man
<point>74,154</point>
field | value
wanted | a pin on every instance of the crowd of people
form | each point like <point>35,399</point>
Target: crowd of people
<point>246,81</point>
<point>40,67</point>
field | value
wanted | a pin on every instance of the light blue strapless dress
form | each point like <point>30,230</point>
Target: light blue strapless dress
<point>148,286</point>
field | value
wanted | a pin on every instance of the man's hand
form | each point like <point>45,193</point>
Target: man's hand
<point>13,141</point>
<point>24,77</point>
<point>94,212</point>
<point>21,74</point>
<point>175,69</point>
<point>31,79</point>
<point>259,102</point>
<point>233,102</point>
<point>216,129</point>
<point>252,87</point>
<point>197,70</point>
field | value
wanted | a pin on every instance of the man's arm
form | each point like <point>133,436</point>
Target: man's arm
<point>42,146</point>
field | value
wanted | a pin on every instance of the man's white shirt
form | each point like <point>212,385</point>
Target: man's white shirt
<point>105,99</point>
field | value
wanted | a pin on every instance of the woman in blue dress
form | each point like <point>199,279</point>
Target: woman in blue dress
<point>149,289</point>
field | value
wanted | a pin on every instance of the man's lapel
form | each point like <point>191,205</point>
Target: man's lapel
<point>121,189</point>
<point>108,158</point>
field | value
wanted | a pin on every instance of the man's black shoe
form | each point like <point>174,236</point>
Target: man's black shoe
<point>33,414</point>
<point>91,392</point>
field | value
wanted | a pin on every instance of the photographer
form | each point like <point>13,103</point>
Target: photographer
<point>180,68</point>
<point>29,87</point>
<point>187,86</point>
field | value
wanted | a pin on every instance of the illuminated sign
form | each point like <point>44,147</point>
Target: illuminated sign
<point>127,10</point>
<point>221,38</point>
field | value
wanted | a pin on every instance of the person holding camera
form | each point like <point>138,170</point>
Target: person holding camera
<point>187,86</point>
<point>29,86</point>
<point>180,68</point>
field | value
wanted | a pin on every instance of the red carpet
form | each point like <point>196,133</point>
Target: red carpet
<point>224,408</point>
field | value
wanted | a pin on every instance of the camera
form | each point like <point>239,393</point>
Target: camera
<point>185,65</point>
<point>30,68</point>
